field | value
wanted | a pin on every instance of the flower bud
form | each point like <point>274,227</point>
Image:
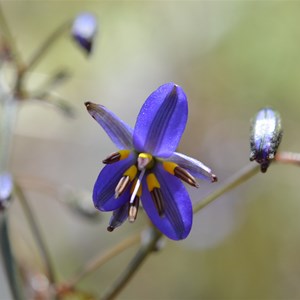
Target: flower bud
<point>265,137</point>
<point>84,30</point>
<point>6,187</point>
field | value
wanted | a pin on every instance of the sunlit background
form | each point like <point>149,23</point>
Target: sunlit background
<point>231,58</point>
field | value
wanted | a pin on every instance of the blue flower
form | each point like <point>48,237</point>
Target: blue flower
<point>147,168</point>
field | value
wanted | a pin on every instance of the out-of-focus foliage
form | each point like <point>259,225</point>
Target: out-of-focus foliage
<point>231,58</point>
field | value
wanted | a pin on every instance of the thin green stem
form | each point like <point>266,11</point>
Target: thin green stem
<point>232,182</point>
<point>40,52</point>
<point>46,45</point>
<point>9,262</point>
<point>36,233</point>
<point>143,252</point>
<point>97,262</point>
<point>8,119</point>
<point>10,40</point>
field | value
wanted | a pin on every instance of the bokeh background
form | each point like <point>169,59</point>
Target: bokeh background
<point>231,58</point>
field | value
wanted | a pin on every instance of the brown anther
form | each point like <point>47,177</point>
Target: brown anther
<point>114,157</point>
<point>158,200</point>
<point>110,228</point>
<point>214,178</point>
<point>133,209</point>
<point>122,185</point>
<point>185,176</point>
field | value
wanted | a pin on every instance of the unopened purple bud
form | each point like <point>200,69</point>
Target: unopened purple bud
<point>84,30</point>
<point>6,187</point>
<point>265,137</point>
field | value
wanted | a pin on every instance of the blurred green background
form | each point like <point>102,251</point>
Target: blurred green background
<point>231,58</point>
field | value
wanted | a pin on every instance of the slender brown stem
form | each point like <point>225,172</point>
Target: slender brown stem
<point>288,157</point>
<point>9,263</point>
<point>10,40</point>
<point>143,252</point>
<point>36,233</point>
<point>232,182</point>
<point>46,45</point>
<point>97,262</point>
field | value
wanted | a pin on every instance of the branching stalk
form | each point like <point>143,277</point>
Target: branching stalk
<point>143,252</point>
<point>97,262</point>
<point>12,272</point>
<point>232,182</point>
<point>36,233</point>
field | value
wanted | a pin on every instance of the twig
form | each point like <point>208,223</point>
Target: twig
<point>143,252</point>
<point>36,233</point>
<point>288,157</point>
<point>9,261</point>
<point>46,45</point>
<point>232,182</point>
<point>11,42</point>
<point>97,262</point>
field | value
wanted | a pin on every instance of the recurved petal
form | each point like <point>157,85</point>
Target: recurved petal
<point>177,220</point>
<point>104,189</point>
<point>118,217</point>
<point>161,121</point>
<point>118,131</point>
<point>193,166</point>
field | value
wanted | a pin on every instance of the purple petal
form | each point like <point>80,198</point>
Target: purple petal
<point>118,131</point>
<point>104,189</point>
<point>118,217</point>
<point>193,166</point>
<point>177,220</point>
<point>84,30</point>
<point>6,186</point>
<point>161,121</point>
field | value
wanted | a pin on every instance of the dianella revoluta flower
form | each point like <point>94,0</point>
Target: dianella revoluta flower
<point>147,168</point>
<point>265,137</point>
<point>84,30</point>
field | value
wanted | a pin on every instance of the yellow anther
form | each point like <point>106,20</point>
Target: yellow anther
<point>131,172</point>
<point>124,154</point>
<point>152,182</point>
<point>169,167</point>
<point>139,192</point>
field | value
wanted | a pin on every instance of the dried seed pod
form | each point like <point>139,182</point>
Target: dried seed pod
<point>265,137</point>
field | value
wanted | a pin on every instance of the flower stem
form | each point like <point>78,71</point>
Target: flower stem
<point>97,262</point>
<point>8,119</point>
<point>288,157</point>
<point>232,182</point>
<point>56,34</point>
<point>42,50</point>
<point>10,40</point>
<point>143,252</point>
<point>12,272</point>
<point>36,233</point>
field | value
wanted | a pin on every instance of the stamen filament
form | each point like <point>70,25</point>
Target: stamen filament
<point>137,186</point>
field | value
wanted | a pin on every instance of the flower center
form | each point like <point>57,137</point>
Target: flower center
<point>145,161</point>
